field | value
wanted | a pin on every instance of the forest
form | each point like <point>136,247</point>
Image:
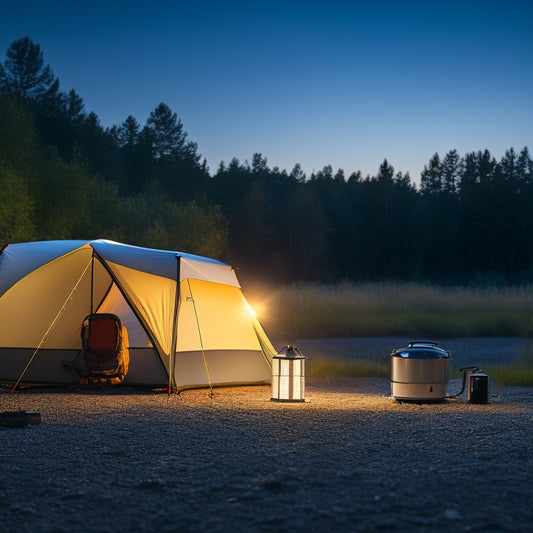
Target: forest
<point>64,176</point>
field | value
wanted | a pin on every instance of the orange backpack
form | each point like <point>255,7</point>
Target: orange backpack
<point>105,348</point>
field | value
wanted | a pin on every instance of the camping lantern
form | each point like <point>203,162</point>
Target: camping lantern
<point>288,375</point>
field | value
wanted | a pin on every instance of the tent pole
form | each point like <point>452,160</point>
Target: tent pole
<point>172,355</point>
<point>92,282</point>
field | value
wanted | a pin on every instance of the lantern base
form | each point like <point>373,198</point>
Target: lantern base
<point>287,401</point>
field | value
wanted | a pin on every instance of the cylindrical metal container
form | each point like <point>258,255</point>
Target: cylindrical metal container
<point>478,388</point>
<point>420,372</point>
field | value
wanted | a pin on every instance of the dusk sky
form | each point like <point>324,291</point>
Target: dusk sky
<point>341,83</point>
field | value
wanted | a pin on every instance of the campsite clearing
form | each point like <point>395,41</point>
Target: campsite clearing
<point>349,459</point>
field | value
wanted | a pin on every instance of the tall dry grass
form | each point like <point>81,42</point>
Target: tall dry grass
<point>329,367</point>
<point>383,309</point>
<point>518,372</point>
<point>396,309</point>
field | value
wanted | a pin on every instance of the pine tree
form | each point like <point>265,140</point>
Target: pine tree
<point>297,173</point>
<point>167,136</point>
<point>73,106</point>
<point>3,88</point>
<point>25,74</point>
<point>451,171</point>
<point>431,176</point>
<point>128,133</point>
<point>524,169</point>
<point>385,172</point>
<point>259,164</point>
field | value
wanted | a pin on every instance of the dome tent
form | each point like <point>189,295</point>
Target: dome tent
<point>187,320</point>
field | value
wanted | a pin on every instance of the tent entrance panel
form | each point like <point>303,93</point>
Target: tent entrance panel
<point>115,303</point>
<point>146,368</point>
<point>153,298</point>
<point>226,367</point>
<point>48,367</point>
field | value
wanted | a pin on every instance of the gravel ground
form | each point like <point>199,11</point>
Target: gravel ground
<point>349,459</point>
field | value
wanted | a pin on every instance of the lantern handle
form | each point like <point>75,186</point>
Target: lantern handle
<point>291,349</point>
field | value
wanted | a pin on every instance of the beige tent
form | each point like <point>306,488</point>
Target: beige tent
<point>188,323</point>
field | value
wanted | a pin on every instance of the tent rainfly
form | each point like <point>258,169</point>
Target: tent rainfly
<point>188,323</point>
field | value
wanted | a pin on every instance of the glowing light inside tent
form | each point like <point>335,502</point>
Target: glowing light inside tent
<point>251,311</point>
<point>288,375</point>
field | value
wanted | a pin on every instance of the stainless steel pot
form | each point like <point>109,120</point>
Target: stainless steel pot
<point>420,371</point>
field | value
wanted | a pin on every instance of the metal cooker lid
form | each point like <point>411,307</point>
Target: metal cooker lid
<point>421,350</point>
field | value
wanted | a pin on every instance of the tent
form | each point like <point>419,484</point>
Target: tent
<point>188,323</point>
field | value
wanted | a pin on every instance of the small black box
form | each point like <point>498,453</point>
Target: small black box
<point>478,388</point>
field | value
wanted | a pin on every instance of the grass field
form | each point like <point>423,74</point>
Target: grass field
<point>518,373</point>
<point>387,309</point>
<point>397,309</point>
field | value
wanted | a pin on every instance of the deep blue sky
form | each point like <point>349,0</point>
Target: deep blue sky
<point>345,83</point>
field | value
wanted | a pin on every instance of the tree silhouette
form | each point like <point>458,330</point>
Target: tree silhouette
<point>450,171</point>
<point>168,139</point>
<point>307,228</point>
<point>297,173</point>
<point>73,107</point>
<point>3,85</point>
<point>62,175</point>
<point>25,74</point>
<point>176,162</point>
<point>431,176</point>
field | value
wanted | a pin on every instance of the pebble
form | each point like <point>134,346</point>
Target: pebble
<point>452,514</point>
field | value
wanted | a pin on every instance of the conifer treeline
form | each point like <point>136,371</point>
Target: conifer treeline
<point>62,175</point>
